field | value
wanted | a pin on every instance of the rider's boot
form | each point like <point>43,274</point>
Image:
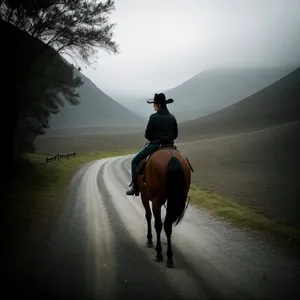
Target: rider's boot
<point>134,190</point>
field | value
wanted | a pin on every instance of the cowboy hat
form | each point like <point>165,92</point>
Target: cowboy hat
<point>160,99</point>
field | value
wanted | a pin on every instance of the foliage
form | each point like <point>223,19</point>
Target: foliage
<point>43,96</point>
<point>43,80</point>
<point>74,27</point>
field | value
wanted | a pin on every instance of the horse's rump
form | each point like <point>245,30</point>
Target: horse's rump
<point>155,171</point>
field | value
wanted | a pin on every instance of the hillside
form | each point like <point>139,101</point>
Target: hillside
<point>96,109</point>
<point>276,104</point>
<point>214,89</point>
<point>249,151</point>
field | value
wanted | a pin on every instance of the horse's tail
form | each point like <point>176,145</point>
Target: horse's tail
<point>176,192</point>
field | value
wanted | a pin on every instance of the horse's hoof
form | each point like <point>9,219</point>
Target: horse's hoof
<point>149,244</point>
<point>159,258</point>
<point>170,263</point>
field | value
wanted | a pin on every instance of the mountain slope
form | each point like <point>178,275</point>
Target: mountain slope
<point>249,151</point>
<point>214,89</point>
<point>276,104</point>
<point>96,109</point>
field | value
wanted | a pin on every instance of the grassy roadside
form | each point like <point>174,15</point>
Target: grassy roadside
<point>39,188</point>
<point>244,217</point>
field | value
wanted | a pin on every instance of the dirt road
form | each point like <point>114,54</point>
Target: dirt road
<point>97,251</point>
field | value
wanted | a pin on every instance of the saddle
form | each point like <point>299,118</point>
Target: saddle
<point>142,164</point>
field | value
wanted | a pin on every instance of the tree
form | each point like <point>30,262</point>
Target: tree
<point>77,28</point>
<point>73,27</point>
<point>49,86</point>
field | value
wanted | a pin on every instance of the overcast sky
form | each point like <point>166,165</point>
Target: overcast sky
<point>165,42</point>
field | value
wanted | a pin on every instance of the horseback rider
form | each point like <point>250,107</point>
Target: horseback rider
<point>161,129</point>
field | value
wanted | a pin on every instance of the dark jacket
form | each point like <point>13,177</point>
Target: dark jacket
<point>162,127</point>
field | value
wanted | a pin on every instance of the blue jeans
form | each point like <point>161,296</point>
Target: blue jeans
<point>141,155</point>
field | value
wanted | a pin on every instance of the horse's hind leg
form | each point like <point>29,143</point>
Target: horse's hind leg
<point>156,208</point>
<point>149,234</point>
<point>148,216</point>
<point>168,231</point>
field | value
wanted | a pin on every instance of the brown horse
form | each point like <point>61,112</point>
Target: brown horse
<point>166,176</point>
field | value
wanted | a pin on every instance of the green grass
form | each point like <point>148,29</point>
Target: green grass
<point>243,217</point>
<point>39,187</point>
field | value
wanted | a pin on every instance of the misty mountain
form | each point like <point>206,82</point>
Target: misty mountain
<point>214,89</point>
<point>277,104</point>
<point>138,104</point>
<point>140,107</point>
<point>96,109</point>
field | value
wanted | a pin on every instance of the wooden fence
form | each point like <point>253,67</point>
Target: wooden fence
<point>60,156</point>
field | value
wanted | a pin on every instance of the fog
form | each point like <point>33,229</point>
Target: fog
<point>163,43</point>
